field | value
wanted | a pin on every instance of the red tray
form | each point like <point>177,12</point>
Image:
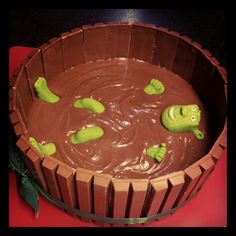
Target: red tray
<point>207,209</point>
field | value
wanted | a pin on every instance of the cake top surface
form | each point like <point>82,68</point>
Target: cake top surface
<point>130,119</point>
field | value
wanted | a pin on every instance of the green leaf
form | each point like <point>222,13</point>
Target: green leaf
<point>29,193</point>
<point>13,160</point>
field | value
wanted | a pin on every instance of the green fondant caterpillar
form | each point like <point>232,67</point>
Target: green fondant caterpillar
<point>46,149</point>
<point>90,104</point>
<point>87,134</point>
<point>43,91</point>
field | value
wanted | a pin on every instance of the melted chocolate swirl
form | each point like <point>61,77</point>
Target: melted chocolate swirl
<point>131,121</point>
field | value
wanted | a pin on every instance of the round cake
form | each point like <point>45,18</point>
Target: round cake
<point>116,120</point>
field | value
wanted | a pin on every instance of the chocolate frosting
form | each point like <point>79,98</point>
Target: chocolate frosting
<point>131,121</point>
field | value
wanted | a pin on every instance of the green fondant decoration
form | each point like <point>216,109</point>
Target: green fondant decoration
<point>29,193</point>
<point>87,134</point>
<point>90,104</point>
<point>157,152</point>
<point>27,188</point>
<point>35,144</point>
<point>154,87</point>
<point>14,160</point>
<point>43,91</point>
<point>198,133</point>
<point>183,118</point>
<point>46,149</point>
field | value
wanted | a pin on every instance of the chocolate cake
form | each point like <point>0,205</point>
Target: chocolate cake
<point>114,93</point>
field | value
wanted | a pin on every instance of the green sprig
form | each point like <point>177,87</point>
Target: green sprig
<point>27,188</point>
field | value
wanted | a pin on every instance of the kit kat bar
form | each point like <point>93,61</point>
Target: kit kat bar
<point>217,82</point>
<point>101,193</point>
<point>184,61</point>
<point>95,42</point>
<point>165,48</point>
<point>223,73</point>
<point>223,141</point>
<point>186,39</point>
<point>52,58</point>
<point>121,190</point>
<point>192,175</point>
<point>217,152</point>
<point>158,189</point>
<point>24,98</point>
<point>23,146</point>
<point>196,45</point>
<point>175,184</point>
<point>207,165</point>
<point>142,34</point>
<point>12,99</point>
<point>214,61</point>
<point>120,193</point>
<point>18,123</point>
<point>137,196</point>
<point>118,39</point>
<point>34,69</point>
<point>12,79</point>
<point>49,167</point>
<point>217,149</point>
<point>207,54</point>
<point>11,105</point>
<point>72,46</point>
<point>66,180</point>
<point>13,118</point>
<point>20,128</point>
<point>201,74</point>
<point>84,182</point>
<point>220,145</point>
<point>33,160</point>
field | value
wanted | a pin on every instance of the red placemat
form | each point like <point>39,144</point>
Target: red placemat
<point>207,209</point>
